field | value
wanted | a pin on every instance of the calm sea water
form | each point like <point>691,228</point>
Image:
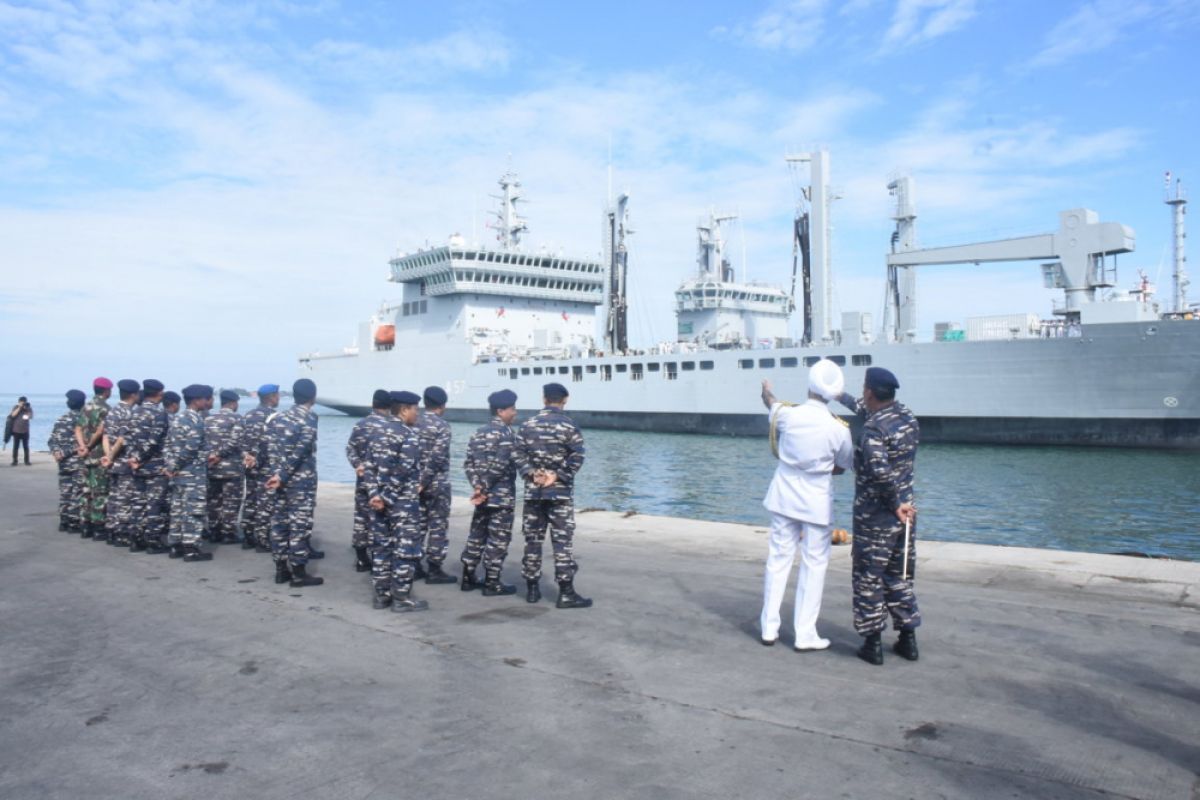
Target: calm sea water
<point>1096,500</point>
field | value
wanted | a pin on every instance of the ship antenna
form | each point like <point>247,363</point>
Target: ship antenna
<point>1178,203</point>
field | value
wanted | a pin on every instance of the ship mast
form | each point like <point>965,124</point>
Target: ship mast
<point>616,334</point>
<point>1178,204</point>
<point>509,223</point>
<point>811,236</point>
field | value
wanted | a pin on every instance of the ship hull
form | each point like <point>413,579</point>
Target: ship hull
<point>1117,385</point>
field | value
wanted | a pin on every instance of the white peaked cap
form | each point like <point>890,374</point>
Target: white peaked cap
<point>825,379</point>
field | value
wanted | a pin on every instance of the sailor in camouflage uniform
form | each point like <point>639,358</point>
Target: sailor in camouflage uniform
<point>146,458</point>
<point>491,469</point>
<point>89,445</point>
<point>392,478</point>
<point>292,466</point>
<point>185,462</point>
<point>434,433</point>
<point>63,448</point>
<point>170,403</point>
<point>256,511</point>
<point>883,502</point>
<point>376,424</point>
<point>549,453</point>
<point>120,516</point>
<point>225,436</point>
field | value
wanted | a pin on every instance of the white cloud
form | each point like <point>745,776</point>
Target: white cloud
<point>1098,24</point>
<point>916,21</point>
<point>786,25</point>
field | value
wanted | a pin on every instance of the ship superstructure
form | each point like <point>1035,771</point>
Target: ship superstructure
<point>1108,367</point>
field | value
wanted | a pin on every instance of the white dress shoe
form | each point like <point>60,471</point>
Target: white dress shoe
<point>811,644</point>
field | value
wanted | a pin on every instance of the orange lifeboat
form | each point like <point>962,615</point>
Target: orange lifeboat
<point>385,337</point>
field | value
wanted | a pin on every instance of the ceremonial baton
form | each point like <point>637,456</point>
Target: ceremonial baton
<point>906,532</point>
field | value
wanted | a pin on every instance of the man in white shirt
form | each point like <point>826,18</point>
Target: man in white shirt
<point>813,446</point>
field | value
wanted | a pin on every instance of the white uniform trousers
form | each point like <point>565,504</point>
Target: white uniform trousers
<point>814,543</point>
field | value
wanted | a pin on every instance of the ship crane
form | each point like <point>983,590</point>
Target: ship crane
<point>1079,253</point>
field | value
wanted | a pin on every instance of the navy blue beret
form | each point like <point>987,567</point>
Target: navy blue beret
<point>151,386</point>
<point>405,398</point>
<point>880,378</point>
<point>197,391</point>
<point>435,396</point>
<point>381,399</point>
<point>555,391</point>
<point>304,390</point>
<point>268,388</point>
<point>505,398</point>
<point>128,386</point>
<point>228,396</point>
<point>171,398</point>
<point>76,399</point>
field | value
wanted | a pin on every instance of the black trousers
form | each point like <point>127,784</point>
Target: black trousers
<point>19,439</point>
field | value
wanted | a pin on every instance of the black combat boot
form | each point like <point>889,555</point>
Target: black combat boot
<point>533,590</point>
<point>87,531</point>
<point>314,554</point>
<point>906,645</point>
<point>262,548</point>
<point>419,572</point>
<point>194,553</point>
<point>568,598</point>
<point>872,649</point>
<point>381,602</point>
<point>63,525</point>
<point>175,551</point>
<point>435,574</point>
<point>301,578</point>
<point>362,561</point>
<point>403,604</point>
<point>229,538</point>
<point>469,581</point>
<point>137,546</point>
<point>247,542</point>
<point>154,548</point>
<point>282,573</point>
<point>493,587</point>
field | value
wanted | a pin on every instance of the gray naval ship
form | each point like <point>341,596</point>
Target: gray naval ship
<point>1107,367</point>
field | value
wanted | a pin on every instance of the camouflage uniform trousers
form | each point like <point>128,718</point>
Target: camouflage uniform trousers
<point>188,509</point>
<point>292,521</point>
<point>120,516</point>
<point>487,542</point>
<point>224,506</point>
<point>256,510</point>
<point>435,520</point>
<point>382,547</point>
<point>404,523</point>
<point>559,515</point>
<point>877,559</point>
<point>95,492</point>
<point>153,511</point>
<point>363,535</point>
<point>71,477</point>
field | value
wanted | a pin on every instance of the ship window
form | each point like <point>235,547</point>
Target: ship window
<point>469,256</point>
<point>670,370</point>
<point>860,361</point>
<point>839,360</point>
<point>652,366</point>
<point>423,292</point>
<point>766,363</point>
<point>501,372</point>
<point>537,370</point>
<point>746,363</point>
<point>512,373</point>
<point>404,309</point>
<point>563,370</point>
<point>688,366</point>
<point>524,370</point>
<point>706,365</point>
<point>788,361</point>
<point>606,372</point>
<point>810,360</point>
<point>591,368</point>
<point>622,367</point>
<point>424,303</point>
<point>576,373</point>
<point>635,372</point>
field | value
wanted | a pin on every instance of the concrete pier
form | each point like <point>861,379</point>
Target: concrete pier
<point>1042,674</point>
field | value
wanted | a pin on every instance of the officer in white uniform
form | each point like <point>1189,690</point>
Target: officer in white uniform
<point>813,446</point>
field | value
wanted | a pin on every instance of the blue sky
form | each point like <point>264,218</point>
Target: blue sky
<point>200,191</point>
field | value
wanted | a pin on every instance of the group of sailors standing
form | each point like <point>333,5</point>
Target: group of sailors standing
<point>146,475</point>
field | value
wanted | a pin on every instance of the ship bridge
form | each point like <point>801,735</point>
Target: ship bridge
<point>451,270</point>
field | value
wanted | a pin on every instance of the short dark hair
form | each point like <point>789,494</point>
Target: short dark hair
<point>882,394</point>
